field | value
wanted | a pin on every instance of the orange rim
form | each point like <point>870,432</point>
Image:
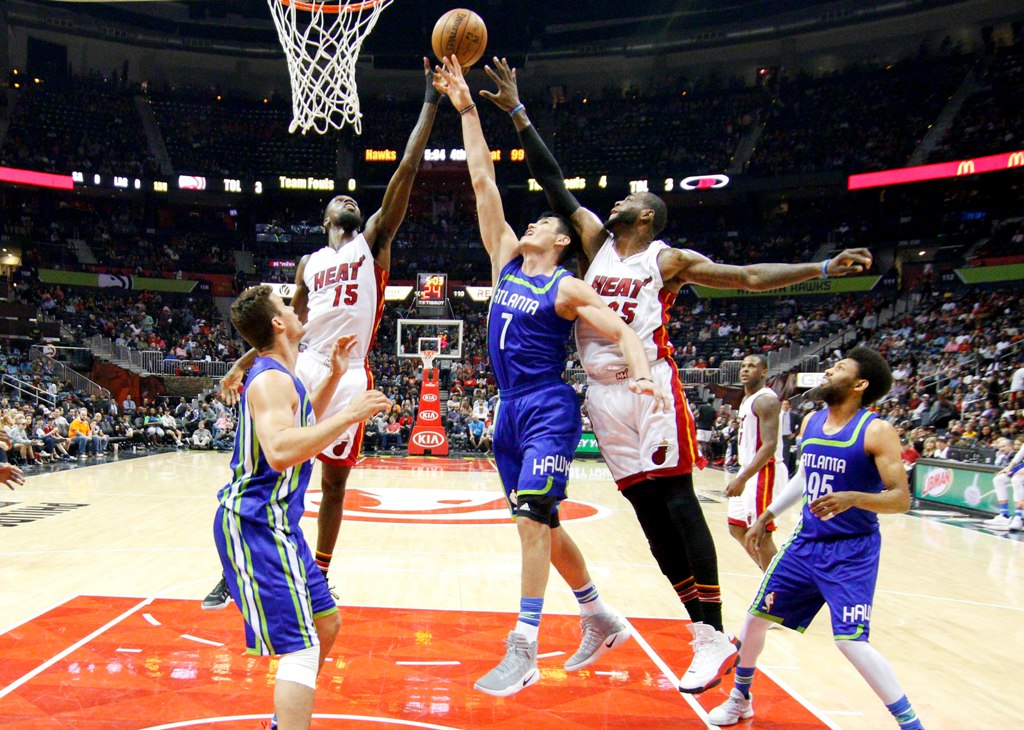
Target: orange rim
<point>331,8</point>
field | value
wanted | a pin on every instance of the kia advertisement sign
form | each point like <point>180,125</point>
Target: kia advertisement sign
<point>428,436</point>
<point>427,440</point>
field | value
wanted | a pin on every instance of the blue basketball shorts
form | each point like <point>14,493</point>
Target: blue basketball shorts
<point>275,583</point>
<point>535,438</point>
<point>808,573</point>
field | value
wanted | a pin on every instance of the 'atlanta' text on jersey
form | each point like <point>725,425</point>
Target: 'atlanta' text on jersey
<point>519,302</point>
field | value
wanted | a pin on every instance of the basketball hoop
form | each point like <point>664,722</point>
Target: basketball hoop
<point>321,41</point>
<point>428,358</point>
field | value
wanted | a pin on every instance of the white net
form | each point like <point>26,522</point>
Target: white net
<point>321,41</point>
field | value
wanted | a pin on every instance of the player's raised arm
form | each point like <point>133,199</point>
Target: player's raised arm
<point>543,165</point>
<point>682,266</point>
<point>383,224</point>
<point>883,443</point>
<point>498,237</point>
<point>577,300</point>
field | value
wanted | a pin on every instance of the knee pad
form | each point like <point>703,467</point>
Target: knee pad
<point>300,666</point>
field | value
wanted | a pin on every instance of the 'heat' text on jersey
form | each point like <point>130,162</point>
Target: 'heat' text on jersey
<point>614,286</point>
<point>341,272</point>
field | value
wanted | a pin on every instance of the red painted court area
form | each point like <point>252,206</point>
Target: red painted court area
<point>97,662</point>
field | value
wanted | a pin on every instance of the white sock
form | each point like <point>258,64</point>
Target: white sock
<point>528,630</point>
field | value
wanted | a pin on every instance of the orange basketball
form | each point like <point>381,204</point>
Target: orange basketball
<point>460,33</point>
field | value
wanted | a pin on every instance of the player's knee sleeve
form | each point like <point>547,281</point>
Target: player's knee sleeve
<point>300,666</point>
<point>1002,484</point>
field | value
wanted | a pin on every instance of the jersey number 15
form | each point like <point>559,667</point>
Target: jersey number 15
<point>351,292</point>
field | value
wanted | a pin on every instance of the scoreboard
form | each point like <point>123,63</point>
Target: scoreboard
<point>432,289</point>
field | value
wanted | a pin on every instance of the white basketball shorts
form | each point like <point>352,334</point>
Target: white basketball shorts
<point>312,369</point>
<point>757,495</point>
<point>636,442</point>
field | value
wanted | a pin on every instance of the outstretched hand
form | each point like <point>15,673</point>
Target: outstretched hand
<point>340,354</point>
<point>507,97</point>
<point>229,386</point>
<point>10,473</point>
<point>849,261</point>
<point>433,95</point>
<point>646,386</point>
<point>366,404</point>
<point>448,79</point>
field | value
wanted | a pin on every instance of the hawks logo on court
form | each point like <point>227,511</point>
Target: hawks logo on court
<point>660,453</point>
<point>439,507</point>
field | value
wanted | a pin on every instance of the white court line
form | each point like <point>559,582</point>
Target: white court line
<point>201,641</point>
<point>150,619</point>
<point>799,698</point>
<point>316,716</point>
<point>107,550</point>
<point>34,616</point>
<point>128,651</point>
<point>660,663</point>
<point>77,645</point>
<point>951,600</point>
<point>428,664</point>
<point>550,654</point>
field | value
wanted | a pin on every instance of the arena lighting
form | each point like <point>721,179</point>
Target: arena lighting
<point>38,179</point>
<point>957,168</point>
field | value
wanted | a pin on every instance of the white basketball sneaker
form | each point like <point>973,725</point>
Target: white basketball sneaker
<point>999,522</point>
<point>733,710</point>
<point>517,671</point>
<point>714,656</point>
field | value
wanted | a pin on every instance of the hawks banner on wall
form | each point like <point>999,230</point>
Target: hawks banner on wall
<point>804,288</point>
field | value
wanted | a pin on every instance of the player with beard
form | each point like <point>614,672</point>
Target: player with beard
<point>652,454</point>
<point>339,291</point>
<point>850,472</point>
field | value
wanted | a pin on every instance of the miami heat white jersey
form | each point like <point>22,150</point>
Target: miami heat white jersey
<point>346,297</point>
<point>750,429</point>
<point>632,287</point>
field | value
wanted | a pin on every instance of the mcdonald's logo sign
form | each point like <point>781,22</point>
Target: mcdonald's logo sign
<point>1016,159</point>
<point>966,167</point>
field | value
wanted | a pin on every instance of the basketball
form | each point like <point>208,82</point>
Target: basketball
<point>460,33</point>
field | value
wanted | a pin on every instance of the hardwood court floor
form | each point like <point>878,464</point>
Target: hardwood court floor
<point>100,625</point>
